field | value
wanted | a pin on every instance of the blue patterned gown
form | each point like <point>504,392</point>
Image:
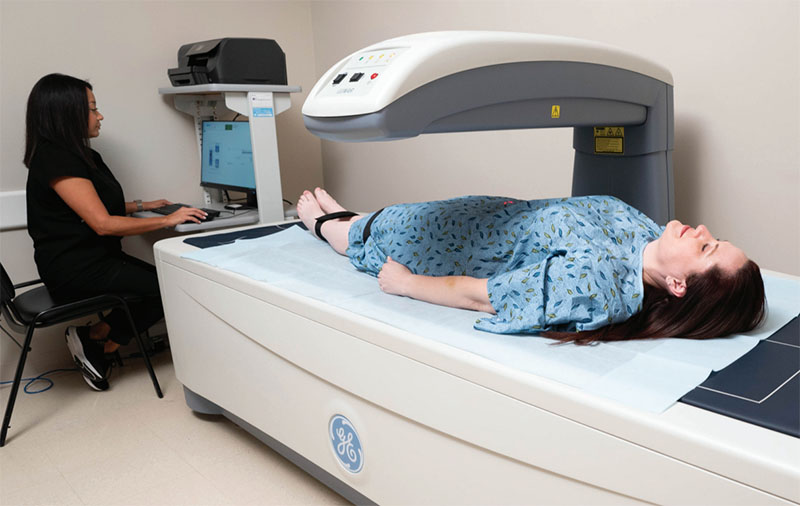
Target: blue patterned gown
<point>557,264</point>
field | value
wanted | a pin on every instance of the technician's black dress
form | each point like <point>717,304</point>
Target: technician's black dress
<point>73,261</point>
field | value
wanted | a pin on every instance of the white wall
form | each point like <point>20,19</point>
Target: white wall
<point>737,110</point>
<point>124,49</point>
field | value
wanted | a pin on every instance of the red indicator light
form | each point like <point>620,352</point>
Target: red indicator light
<point>373,76</point>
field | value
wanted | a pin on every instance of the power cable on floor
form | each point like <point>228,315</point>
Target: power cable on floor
<point>48,382</point>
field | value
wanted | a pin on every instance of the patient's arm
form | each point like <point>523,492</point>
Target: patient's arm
<point>463,292</point>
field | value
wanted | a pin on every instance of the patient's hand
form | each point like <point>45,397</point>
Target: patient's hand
<point>395,278</point>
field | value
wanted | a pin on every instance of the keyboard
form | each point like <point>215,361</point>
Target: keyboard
<point>171,208</point>
<point>168,209</point>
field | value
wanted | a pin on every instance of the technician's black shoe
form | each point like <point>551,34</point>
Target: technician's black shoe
<point>88,356</point>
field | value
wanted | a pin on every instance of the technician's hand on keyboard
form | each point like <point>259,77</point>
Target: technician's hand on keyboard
<point>186,215</point>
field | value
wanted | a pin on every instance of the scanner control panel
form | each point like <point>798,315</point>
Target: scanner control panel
<point>362,73</point>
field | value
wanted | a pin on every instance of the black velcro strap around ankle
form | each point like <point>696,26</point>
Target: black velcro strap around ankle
<point>327,217</point>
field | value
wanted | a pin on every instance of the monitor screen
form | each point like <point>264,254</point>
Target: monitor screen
<point>227,156</point>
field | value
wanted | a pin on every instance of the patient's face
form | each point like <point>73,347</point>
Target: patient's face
<point>684,251</point>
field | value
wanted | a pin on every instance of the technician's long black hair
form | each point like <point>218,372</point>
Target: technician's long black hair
<point>58,111</point>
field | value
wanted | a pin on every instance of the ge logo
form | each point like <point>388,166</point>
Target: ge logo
<point>346,444</point>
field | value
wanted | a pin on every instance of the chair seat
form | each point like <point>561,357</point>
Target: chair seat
<point>33,302</point>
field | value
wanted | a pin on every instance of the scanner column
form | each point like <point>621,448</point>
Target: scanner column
<point>264,139</point>
<point>632,162</point>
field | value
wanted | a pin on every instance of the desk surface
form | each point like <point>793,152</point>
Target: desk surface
<point>241,218</point>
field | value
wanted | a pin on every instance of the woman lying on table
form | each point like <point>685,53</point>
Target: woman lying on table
<point>578,269</point>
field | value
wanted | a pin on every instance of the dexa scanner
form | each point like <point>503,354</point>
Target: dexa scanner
<point>390,400</point>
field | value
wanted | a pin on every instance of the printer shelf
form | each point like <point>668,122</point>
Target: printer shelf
<point>199,89</point>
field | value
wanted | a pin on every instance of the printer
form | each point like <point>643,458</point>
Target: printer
<point>230,60</point>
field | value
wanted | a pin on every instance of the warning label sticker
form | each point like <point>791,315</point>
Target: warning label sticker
<point>609,140</point>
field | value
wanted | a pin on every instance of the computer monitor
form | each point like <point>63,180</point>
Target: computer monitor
<point>227,157</point>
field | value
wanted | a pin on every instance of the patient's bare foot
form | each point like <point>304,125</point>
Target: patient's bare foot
<point>326,202</point>
<point>308,210</point>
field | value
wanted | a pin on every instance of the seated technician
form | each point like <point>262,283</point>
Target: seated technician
<point>578,269</point>
<point>77,217</point>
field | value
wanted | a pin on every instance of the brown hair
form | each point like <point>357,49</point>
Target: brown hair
<point>715,305</point>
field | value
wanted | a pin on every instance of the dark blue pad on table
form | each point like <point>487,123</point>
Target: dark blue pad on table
<point>762,387</point>
<point>210,241</point>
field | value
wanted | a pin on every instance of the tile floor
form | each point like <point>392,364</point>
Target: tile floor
<point>71,445</point>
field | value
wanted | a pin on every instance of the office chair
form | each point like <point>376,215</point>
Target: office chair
<point>36,309</point>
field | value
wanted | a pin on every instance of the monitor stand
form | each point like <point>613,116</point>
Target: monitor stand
<point>252,200</point>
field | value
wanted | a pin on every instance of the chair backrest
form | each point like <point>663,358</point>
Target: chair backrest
<point>7,292</point>
<point>8,310</point>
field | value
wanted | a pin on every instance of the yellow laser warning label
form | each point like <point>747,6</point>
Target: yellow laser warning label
<point>555,111</point>
<point>609,140</point>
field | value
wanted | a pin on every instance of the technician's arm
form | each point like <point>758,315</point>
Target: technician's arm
<point>81,197</point>
<point>131,207</point>
<point>464,292</point>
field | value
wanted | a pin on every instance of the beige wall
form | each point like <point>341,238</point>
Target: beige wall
<point>737,105</point>
<point>737,110</point>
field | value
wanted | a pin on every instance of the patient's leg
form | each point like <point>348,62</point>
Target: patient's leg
<point>335,231</point>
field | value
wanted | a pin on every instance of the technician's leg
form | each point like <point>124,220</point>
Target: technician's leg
<point>134,277</point>
<point>121,275</point>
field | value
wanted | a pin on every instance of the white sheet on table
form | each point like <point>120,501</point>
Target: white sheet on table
<point>648,374</point>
